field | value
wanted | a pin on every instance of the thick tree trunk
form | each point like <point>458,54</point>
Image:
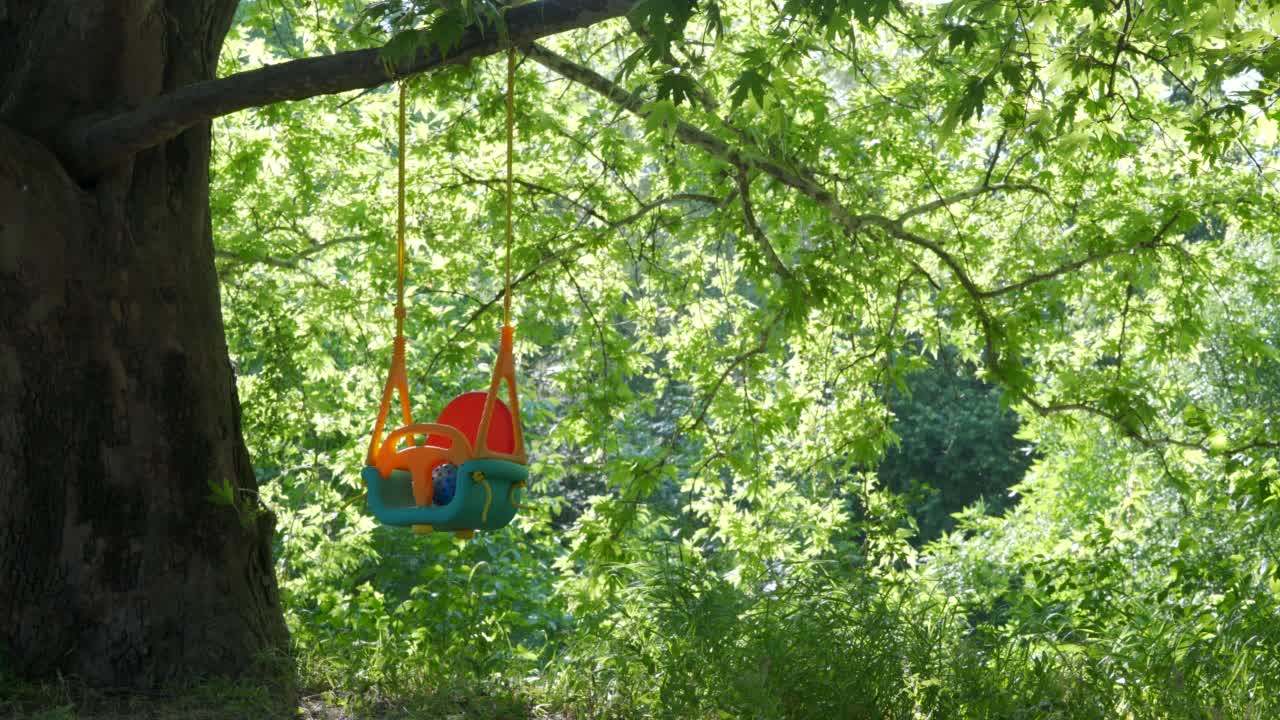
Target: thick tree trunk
<point>117,401</point>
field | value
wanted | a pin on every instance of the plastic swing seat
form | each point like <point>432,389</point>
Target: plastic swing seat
<point>477,436</point>
<point>476,433</point>
<point>391,499</point>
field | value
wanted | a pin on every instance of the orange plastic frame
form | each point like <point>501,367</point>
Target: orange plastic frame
<point>387,455</point>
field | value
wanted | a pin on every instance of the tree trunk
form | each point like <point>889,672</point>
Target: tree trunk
<point>118,408</point>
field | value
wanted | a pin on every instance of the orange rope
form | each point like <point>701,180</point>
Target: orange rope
<point>397,378</point>
<point>511,121</point>
<point>400,225</point>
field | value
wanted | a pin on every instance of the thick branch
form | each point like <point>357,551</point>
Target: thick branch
<point>94,144</point>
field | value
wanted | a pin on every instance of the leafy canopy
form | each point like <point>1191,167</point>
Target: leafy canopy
<point>744,230</point>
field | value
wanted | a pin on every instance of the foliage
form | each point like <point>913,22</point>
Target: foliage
<point>270,693</point>
<point>956,446</point>
<point>727,235</point>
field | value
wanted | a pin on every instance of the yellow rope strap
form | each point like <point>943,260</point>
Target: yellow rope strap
<point>511,123</point>
<point>511,496</point>
<point>488,494</point>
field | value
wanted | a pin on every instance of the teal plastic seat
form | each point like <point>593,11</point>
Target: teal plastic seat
<point>476,433</point>
<point>473,507</point>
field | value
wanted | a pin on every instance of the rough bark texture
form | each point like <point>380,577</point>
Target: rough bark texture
<point>117,399</point>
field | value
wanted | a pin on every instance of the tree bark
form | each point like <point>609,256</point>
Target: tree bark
<point>118,407</point>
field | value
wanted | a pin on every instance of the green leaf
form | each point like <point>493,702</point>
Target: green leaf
<point>750,83</point>
<point>715,22</point>
<point>676,87</point>
<point>660,116</point>
<point>446,30</point>
<point>402,47</point>
<point>967,104</point>
<point>961,35</point>
<point>869,12</point>
<point>664,22</point>
<point>222,494</point>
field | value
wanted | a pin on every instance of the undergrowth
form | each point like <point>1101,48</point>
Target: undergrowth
<point>261,694</point>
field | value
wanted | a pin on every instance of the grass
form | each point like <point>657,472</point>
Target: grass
<point>684,642</point>
<point>67,698</point>
<point>270,694</point>
<point>64,698</point>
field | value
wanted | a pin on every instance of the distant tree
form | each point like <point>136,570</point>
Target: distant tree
<point>956,447</point>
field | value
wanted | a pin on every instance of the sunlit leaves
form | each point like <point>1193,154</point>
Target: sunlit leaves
<point>707,395</point>
<point>967,104</point>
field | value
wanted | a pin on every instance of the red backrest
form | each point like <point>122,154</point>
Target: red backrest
<point>464,412</point>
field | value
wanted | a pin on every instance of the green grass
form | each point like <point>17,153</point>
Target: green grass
<point>252,698</point>
<point>66,698</point>
<point>685,642</point>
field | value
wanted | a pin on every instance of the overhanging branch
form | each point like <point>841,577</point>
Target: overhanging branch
<point>690,134</point>
<point>94,144</point>
<point>801,179</point>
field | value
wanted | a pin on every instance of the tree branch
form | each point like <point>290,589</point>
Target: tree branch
<point>970,193</point>
<point>995,158</point>
<point>800,179</point>
<point>469,179</point>
<point>91,145</point>
<point>690,134</point>
<point>749,214</point>
<point>552,257</point>
<point>646,208</point>
<point>1155,242</point>
<point>282,263</point>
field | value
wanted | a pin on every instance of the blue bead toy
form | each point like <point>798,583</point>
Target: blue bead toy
<point>445,481</point>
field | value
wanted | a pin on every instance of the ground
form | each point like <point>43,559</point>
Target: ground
<point>64,699</point>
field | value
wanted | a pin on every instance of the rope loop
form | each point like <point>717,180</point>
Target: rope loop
<point>511,496</point>
<point>488,494</point>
